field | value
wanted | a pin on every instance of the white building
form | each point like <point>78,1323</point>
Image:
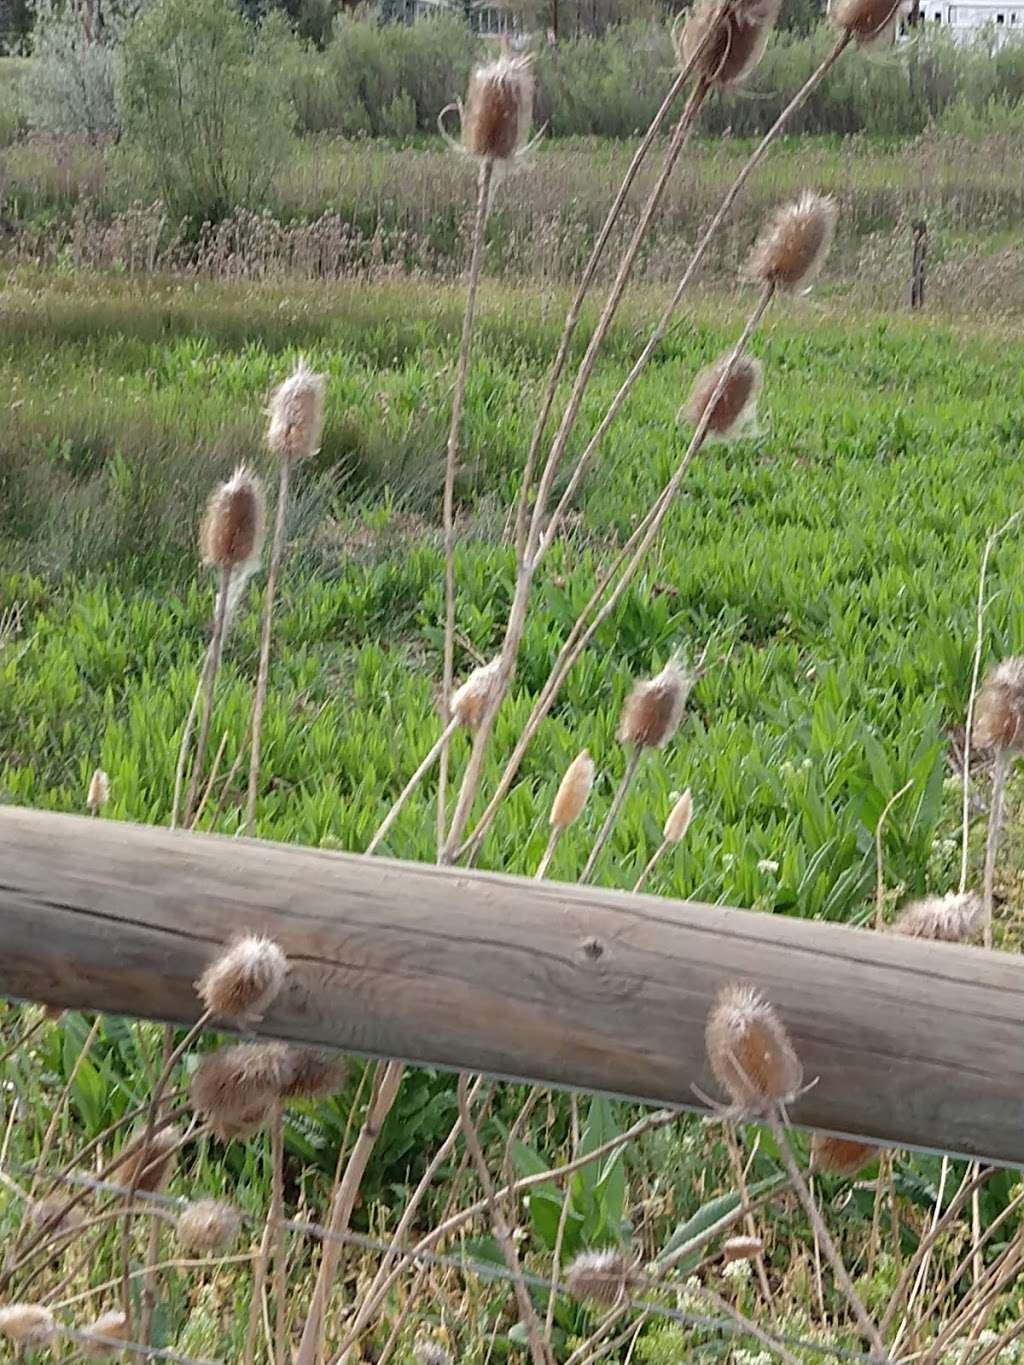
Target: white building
<point>964,20</point>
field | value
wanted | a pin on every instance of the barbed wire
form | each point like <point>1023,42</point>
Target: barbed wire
<point>484,1270</point>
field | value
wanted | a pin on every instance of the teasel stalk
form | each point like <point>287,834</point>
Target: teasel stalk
<point>782,260</point>
<point>464,709</point>
<point>483,200</point>
<point>231,541</point>
<point>753,1059</point>
<point>631,557</point>
<point>296,425</point>
<point>502,1231</point>
<point>538,541</point>
<point>590,270</point>
<point>387,1078</point>
<point>241,982</point>
<point>495,130</point>
<point>650,717</point>
<point>567,807</point>
<point>676,825</point>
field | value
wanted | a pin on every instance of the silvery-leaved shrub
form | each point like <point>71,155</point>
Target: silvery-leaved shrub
<point>70,88</point>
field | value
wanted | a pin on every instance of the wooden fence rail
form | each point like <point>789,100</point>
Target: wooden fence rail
<point>915,1044</point>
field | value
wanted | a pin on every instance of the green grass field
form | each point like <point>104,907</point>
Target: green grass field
<point>828,564</point>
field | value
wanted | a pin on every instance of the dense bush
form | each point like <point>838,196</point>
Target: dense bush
<point>391,79</point>
<point>219,146</point>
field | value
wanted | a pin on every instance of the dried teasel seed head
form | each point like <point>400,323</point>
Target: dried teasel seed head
<point>99,791</point>
<point>234,524</point>
<point>99,1341</point>
<point>954,918</point>
<point>679,818</point>
<point>313,1074</point>
<point>749,1050</point>
<point>235,1088</point>
<point>839,1156</point>
<point>470,700</point>
<point>245,979</point>
<point>499,107</point>
<point>242,1124</point>
<point>29,1324</point>
<point>297,414</point>
<point>733,410</point>
<point>999,708</point>
<point>652,711</point>
<point>599,1277</point>
<point>741,1248</point>
<point>208,1226</point>
<point>148,1165</point>
<point>726,47</point>
<point>793,245</point>
<point>427,1352</point>
<point>573,791</point>
<point>41,1211</point>
<point>868,22</point>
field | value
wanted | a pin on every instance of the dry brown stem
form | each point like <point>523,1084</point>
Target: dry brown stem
<point>259,701</point>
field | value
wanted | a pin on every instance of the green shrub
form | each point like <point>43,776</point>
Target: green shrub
<point>68,89</point>
<point>204,106</point>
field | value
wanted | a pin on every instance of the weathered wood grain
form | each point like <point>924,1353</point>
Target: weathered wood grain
<point>917,1044</point>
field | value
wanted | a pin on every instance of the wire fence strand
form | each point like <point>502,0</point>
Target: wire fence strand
<point>463,1264</point>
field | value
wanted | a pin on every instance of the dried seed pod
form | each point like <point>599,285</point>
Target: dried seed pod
<point>654,708</point>
<point>99,1341</point>
<point>234,1088</point>
<point>239,1125</point>
<point>734,408</point>
<point>244,980</point>
<point>29,1324</point>
<point>679,818</point>
<point>839,1156</point>
<point>469,701</point>
<point>749,1050</point>
<point>725,48</point>
<point>42,1210</point>
<point>867,21</point>
<point>148,1165</point>
<point>313,1074</point>
<point>99,791</point>
<point>499,107</point>
<point>741,1248</point>
<point>234,525</point>
<point>954,918</point>
<point>573,791</point>
<point>793,245</point>
<point>599,1277</point>
<point>999,709</point>
<point>209,1226</point>
<point>297,414</point>
<point>431,1353</point>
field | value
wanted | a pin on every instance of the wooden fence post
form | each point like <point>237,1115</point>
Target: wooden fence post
<point>917,271</point>
<point>912,1043</point>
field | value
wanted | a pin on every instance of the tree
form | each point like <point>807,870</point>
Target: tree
<point>204,106</point>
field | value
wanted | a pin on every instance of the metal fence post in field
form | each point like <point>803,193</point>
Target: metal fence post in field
<point>913,1043</point>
